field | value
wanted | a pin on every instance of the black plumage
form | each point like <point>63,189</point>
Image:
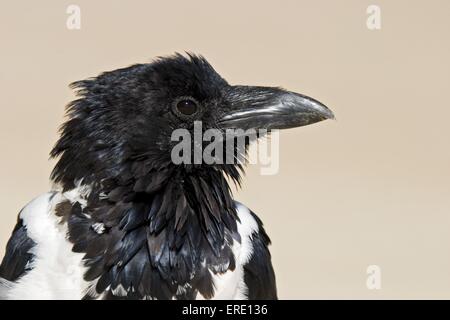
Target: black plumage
<point>148,213</point>
<point>259,275</point>
<point>148,227</point>
<point>18,255</point>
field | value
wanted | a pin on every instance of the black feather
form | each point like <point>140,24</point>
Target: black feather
<point>259,276</point>
<point>18,256</point>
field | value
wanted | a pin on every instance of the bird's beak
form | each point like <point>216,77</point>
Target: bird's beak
<point>271,108</point>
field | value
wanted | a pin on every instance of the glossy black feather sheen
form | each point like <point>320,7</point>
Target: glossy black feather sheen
<point>259,276</point>
<point>150,228</point>
<point>18,255</point>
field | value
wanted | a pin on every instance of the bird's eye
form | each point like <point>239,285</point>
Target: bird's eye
<point>186,106</point>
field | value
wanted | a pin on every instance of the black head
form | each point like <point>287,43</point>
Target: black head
<point>128,115</point>
<point>162,220</point>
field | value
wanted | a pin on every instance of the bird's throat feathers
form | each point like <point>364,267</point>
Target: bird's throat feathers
<point>166,224</point>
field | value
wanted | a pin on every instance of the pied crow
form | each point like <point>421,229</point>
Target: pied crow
<point>124,221</point>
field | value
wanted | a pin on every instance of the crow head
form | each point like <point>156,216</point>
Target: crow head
<point>179,217</point>
<point>124,119</point>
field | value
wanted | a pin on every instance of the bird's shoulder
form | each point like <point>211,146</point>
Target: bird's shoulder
<point>38,256</point>
<point>259,276</point>
<point>19,250</point>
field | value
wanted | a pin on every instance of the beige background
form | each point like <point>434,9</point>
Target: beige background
<point>370,188</point>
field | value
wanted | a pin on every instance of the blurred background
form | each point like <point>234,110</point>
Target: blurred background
<point>372,188</point>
